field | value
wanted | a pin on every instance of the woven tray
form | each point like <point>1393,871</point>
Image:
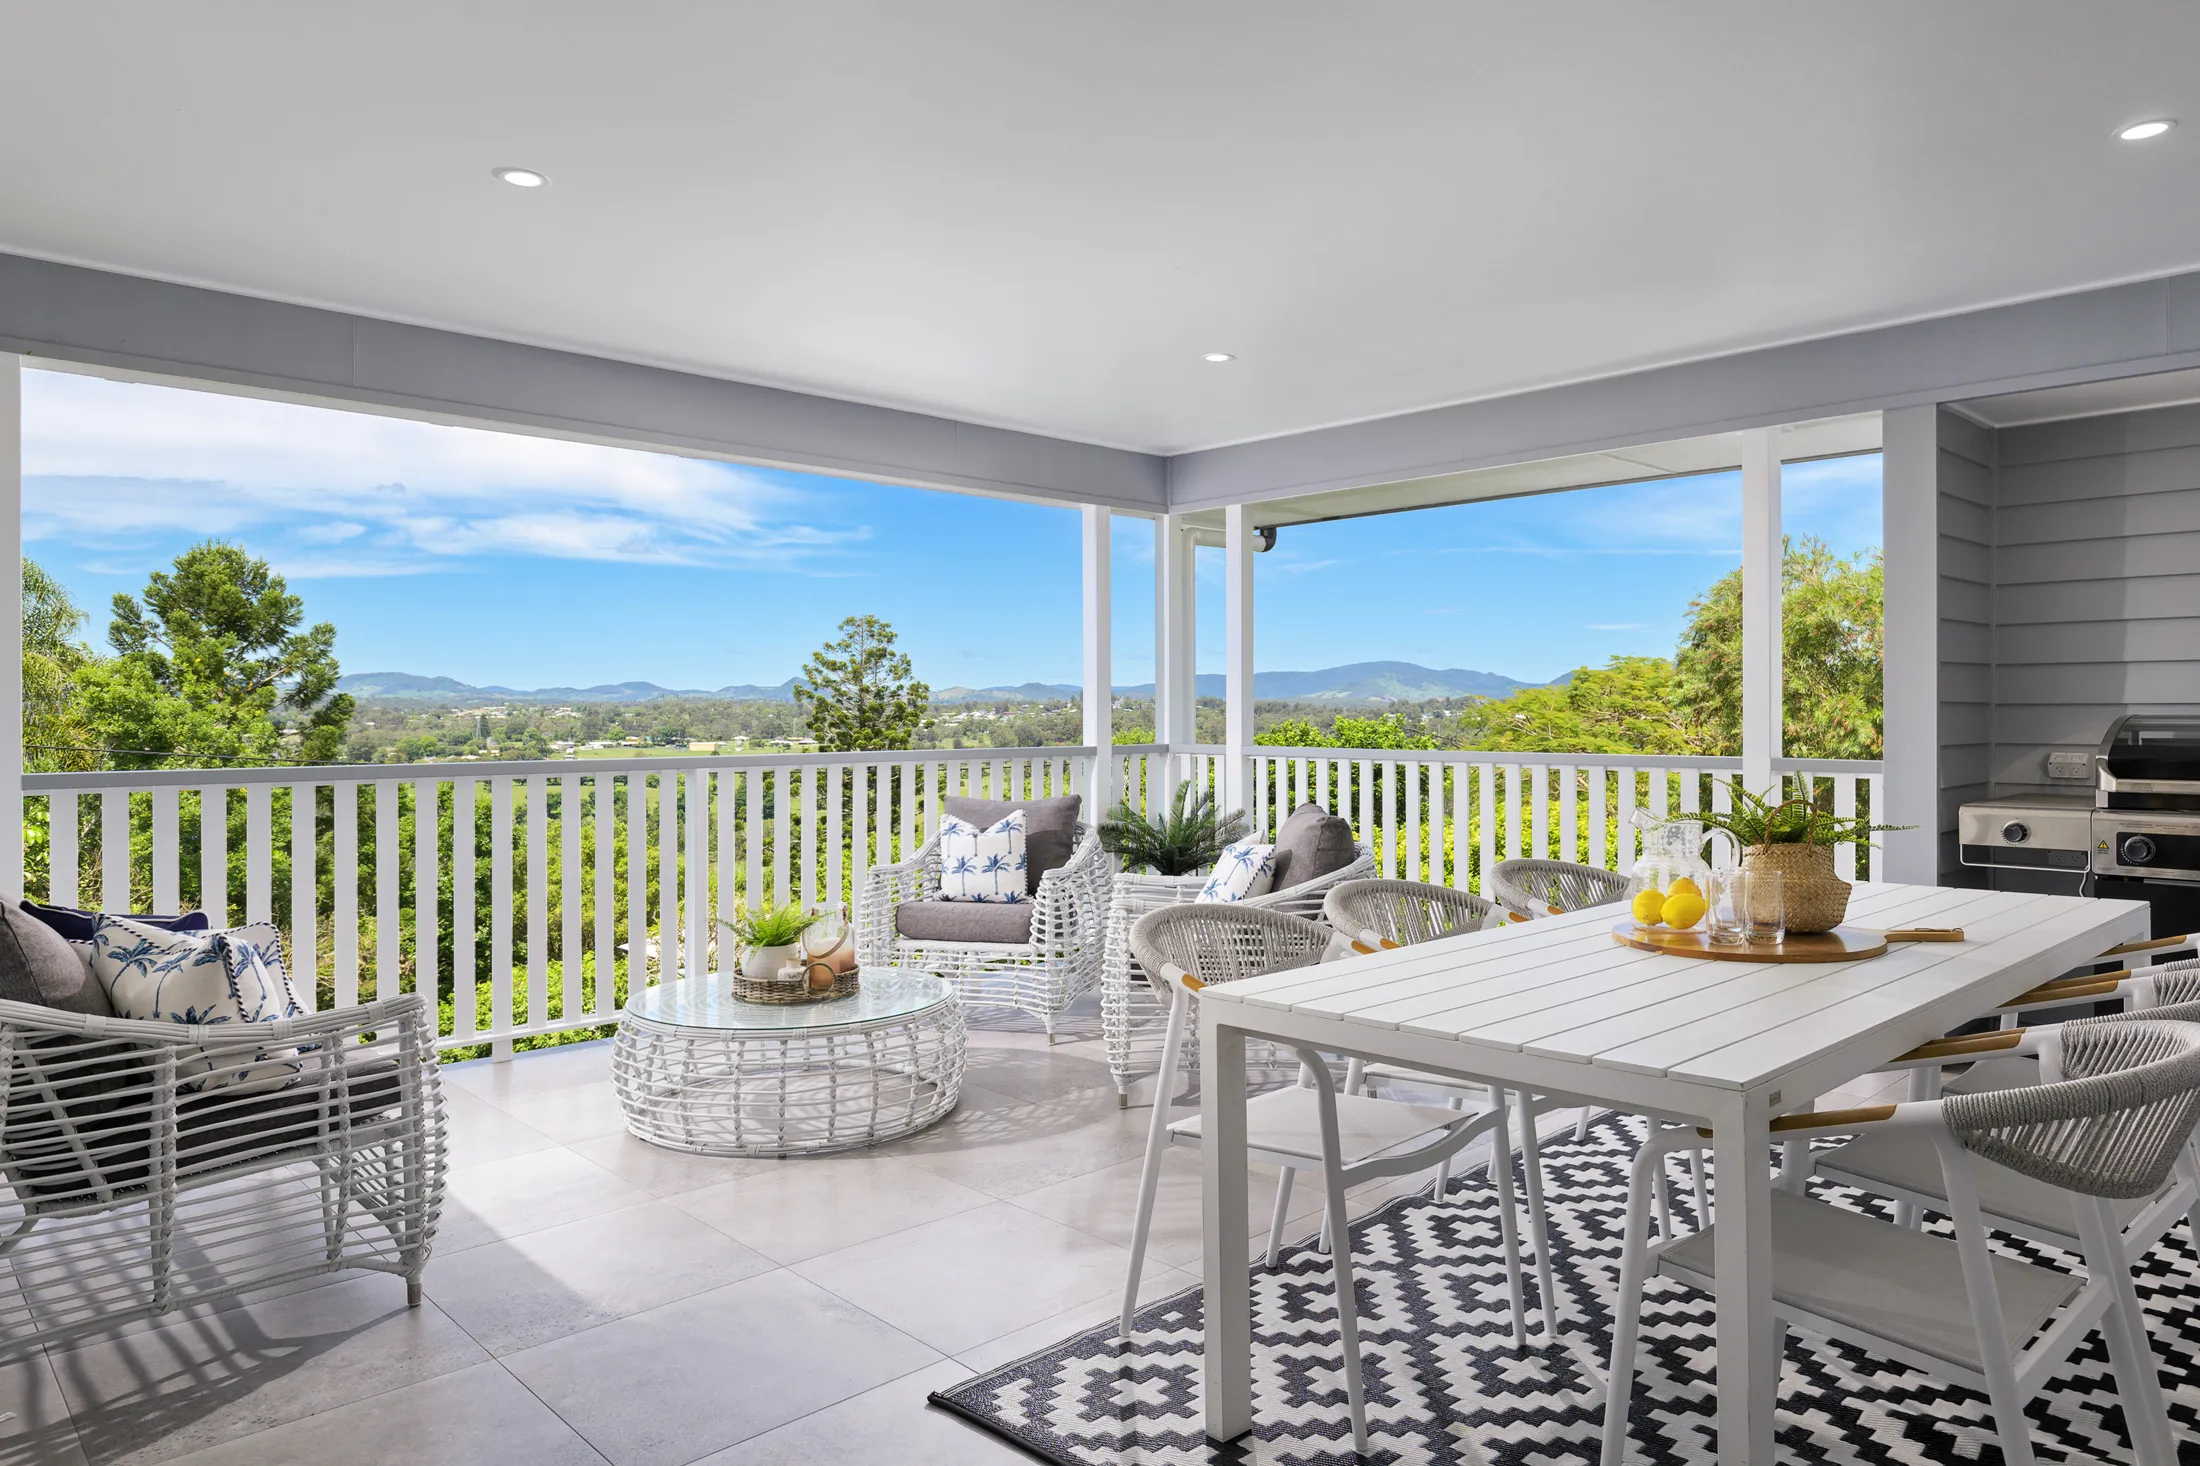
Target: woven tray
<point>751,991</point>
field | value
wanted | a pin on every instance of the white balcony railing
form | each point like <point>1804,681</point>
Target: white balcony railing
<point>512,890</point>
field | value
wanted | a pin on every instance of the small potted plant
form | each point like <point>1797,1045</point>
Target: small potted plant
<point>1796,838</point>
<point>768,939</point>
<point>1187,840</point>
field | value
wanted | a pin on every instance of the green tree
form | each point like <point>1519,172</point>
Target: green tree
<point>1626,706</point>
<point>55,738</point>
<point>207,660</point>
<point>1831,622</point>
<point>858,693</point>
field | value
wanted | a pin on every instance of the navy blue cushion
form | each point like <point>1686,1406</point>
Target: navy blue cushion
<point>76,925</point>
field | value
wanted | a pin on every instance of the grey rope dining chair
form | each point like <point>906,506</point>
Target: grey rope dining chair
<point>1348,1137</point>
<point>2112,1127</point>
<point>1533,888</point>
<point>1400,913</point>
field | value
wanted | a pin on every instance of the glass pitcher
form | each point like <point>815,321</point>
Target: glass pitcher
<point>1671,883</point>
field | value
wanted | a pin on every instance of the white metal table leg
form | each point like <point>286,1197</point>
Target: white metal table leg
<point>1225,1260</point>
<point>1749,1364</point>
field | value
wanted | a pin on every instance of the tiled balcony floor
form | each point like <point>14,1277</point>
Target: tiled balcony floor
<point>594,1299</point>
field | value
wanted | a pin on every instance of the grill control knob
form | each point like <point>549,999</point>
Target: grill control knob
<point>2016,832</point>
<point>2138,850</point>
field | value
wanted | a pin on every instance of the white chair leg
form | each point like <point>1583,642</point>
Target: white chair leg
<point>1508,1224</point>
<point>1443,1167</point>
<point>1275,1220</point>
<point>1634,1260</point>
<point>1704,1214</point>
<point>1539,1230</point>
<point>1329,1217</point>
<point>1581,1126</point>
<point>2002,1393</point>
<point>1157,1141</point>
<point>2130,1354</point>
<point>1340,1258</point>
<point>1662,1198</point>
<point>1922,1084</point>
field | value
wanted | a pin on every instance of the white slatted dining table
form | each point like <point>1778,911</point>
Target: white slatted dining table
<point>1558,1006</point>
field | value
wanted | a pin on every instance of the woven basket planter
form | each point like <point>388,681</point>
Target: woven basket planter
<point>1817,899</point>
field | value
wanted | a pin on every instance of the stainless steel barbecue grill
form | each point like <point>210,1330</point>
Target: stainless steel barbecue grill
<point>2137,837</point>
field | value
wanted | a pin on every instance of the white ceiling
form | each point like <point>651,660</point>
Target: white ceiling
<point>1039,215</point>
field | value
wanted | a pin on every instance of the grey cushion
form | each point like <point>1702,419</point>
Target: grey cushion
<point>37,965</point>
<point>1050,829</point>
<point>964,921</point>
<point>1312,843</point>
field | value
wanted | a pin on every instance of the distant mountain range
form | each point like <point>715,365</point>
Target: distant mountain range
<point>1356,682</point>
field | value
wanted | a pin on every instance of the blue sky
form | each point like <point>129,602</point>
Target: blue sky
<point>502,558</point>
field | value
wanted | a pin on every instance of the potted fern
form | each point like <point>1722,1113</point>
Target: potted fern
<point>1187,839</point>
<point>767,939</point>
<point>1796,838</point>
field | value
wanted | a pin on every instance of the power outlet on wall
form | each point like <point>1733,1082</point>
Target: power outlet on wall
<point>2070,766</point>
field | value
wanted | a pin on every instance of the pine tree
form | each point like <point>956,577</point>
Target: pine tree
<point>858,693</point>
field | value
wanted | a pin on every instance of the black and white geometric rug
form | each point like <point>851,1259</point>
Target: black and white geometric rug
<point>1446,1386</point>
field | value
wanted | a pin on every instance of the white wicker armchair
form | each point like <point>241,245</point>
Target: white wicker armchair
<point>1131,1016</point>
<point>130,1195</point>
<point>1041,976</point>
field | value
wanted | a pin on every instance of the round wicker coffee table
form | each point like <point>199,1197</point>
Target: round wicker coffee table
<point>698,1070</point>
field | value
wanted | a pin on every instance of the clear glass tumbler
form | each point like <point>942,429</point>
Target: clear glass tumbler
<point>1723,908</point>
<point>1763,899</point>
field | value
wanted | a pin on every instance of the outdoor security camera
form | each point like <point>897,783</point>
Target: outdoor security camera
<point>1264,538</point>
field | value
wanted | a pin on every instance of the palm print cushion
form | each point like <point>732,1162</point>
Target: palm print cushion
<point>982,865</point>
<point>205,977</point>
<point>1245,869</point>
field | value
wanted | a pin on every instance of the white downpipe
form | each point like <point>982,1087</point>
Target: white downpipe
<point>1761,573</point>
<point>1175,642</point>
<point>11,625</point>
<point>1237,635</point>
<point>1910,489</point>
<point>1099,694</point>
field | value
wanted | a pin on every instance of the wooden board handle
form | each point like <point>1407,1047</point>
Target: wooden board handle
<point>1925,934</point>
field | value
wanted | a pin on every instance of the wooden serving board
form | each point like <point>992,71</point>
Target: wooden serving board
<point>1842,944</point>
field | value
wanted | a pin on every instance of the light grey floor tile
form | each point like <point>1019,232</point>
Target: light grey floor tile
<point>1157,1283</point>
<point>37,1430</point>
<point>969,1277</point>
<point>548,1068</point>
<point>568,1112</point>
<point>540,1286</point>
<point>807,1207</point>
<point>472,1417</point>
<point>1105,1203</point>
<point>168,1391</point>
<point>1003,1146</point>
<point>663,1172</point>
<point>525,1194</point>
<point>478,1131</point>
<point>890,1424</point>
<point>1039,1072</point>
<point>667,1386</point>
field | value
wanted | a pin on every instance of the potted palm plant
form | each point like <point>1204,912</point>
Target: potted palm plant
<point>1796,838</point>
<point>1187,839</point>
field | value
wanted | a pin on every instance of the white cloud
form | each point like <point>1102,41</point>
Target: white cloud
<point>105,459</point>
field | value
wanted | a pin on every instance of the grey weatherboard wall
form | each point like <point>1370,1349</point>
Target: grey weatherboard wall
<point>2070,595</point>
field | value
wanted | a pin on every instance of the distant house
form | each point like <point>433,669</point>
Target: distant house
<point>695,746</point>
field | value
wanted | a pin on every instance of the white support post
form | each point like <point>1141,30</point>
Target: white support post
<point>1237,634</point>
<point>11,626</point>
<point>1099,696</point>
<point>1175,641</point>
<point>1761,584</point>
<point>1910,489</point>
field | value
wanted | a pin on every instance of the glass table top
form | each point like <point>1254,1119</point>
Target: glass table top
<point>707,1001</point>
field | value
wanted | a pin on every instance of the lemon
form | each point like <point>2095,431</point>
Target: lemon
<point>1682,884</point>
<point>1683,909</point>
<point>1650,906</point>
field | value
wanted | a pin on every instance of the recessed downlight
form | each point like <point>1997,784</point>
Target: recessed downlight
<point>2139,132</point>
<point>1219,356</point>
<point>520,177</point>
